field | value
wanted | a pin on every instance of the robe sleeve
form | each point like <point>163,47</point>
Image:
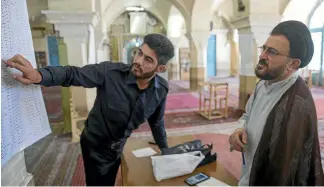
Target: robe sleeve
<point>246,115</point>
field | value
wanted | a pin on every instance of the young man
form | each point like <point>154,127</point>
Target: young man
<point>279,129</point>
<point>127,96</point>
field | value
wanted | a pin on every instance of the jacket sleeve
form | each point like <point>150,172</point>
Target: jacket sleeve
<point>88,76</point>
<point>156,121</point>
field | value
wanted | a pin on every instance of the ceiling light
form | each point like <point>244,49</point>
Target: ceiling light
<point>134,8</point>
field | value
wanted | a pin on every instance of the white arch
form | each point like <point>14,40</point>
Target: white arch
<point>299,10</point>
<point>175,23</point>
<point>203,12</point>
<point>116,8</point>
<point>317,19</point>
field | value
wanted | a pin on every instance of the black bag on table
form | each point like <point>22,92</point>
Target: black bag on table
<point>195,145</point>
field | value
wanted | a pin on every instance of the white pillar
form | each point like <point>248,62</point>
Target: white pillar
<point>77,29</point>
<point>253,31</point>
<point>92,46</point>
<point>103,45</point>
<point>247,51</point>
<point>200,38</point>
<point>223,53</point>
<point>174,62</point>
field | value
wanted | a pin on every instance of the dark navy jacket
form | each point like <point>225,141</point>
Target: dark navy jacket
<point>120,107</point>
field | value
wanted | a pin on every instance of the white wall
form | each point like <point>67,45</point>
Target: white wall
<point>299,10</point>
<point>222,54</point>
<point>70,5</point>
<point>175,23</point>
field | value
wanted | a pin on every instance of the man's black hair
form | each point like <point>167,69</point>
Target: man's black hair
<point>162,47</point>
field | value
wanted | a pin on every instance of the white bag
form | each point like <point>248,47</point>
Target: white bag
<point>170,166</point>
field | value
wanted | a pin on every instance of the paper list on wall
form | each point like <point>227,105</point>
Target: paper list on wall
<point>23,115</point>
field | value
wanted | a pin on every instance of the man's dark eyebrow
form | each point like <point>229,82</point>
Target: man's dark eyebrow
<point>265,46</point>
<point>140,50</point>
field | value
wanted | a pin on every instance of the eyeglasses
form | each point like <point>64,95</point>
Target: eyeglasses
<point>271,51</point>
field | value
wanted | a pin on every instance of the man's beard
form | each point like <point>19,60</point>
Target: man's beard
<point>146,75</point>
<point>269,74</point>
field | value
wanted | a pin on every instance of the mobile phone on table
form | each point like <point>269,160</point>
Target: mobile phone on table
<point>196,179</point>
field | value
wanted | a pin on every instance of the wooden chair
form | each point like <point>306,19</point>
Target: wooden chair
<point>215,96</point>
<point>75,117</point>
<point>308,77</point>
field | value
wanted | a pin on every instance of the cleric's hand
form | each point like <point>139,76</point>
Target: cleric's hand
<point>238,139</point>
<point>29,74</point>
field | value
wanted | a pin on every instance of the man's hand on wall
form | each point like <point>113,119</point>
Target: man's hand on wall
<point>29,74</point>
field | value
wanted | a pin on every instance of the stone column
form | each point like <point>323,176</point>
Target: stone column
<point>198,55</point>
<point>91,93</point>
<point>74,28</point>
<point>103,48</point>
<point>234,54</point>
<point>253,32</point>
<point>174,66</point>
<point>223,65</point>
<point>248,51</point>
<point>14,172</point>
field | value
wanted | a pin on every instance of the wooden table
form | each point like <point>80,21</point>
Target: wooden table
<point>139,172</point>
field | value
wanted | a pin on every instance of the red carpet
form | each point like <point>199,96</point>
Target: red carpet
<point>187,101</point>
<point>230,160</point>
<point>320,108</point>
<point>188,119</point>
<point>181,101</point>
<point>53,103</point>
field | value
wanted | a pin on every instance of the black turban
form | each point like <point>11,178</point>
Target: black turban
<point>300,40</point>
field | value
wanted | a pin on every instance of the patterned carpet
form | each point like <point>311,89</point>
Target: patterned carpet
<point>53,103</point>
<point>188,119</point>
<point>189,102</point>
<point>55,161</point>
<point>52,160</point>
<point>230,160</point>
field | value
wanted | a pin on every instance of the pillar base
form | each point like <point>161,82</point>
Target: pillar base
<point>79,97</point>
<point>14,173</point>
<point>247,86</point>
<point>197,75</point>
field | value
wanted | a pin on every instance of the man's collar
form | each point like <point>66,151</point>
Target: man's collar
<point>131,79</point>
<point>279,84</point>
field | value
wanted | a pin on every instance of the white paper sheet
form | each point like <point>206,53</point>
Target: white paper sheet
<point>212,182</point>
<point>23,115</point>
<point>148,151</point>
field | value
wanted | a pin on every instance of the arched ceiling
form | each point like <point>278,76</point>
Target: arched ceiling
<point>304,10</point>
<point>111,9</point>
<point>176,23</point>
<point>202,13</point>
<point>117,7</point>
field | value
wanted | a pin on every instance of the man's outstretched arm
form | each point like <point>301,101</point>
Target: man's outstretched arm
<point>156,121</point>
<point>88,76</point>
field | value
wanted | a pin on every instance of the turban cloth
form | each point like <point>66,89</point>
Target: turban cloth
<point>300,40</point>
